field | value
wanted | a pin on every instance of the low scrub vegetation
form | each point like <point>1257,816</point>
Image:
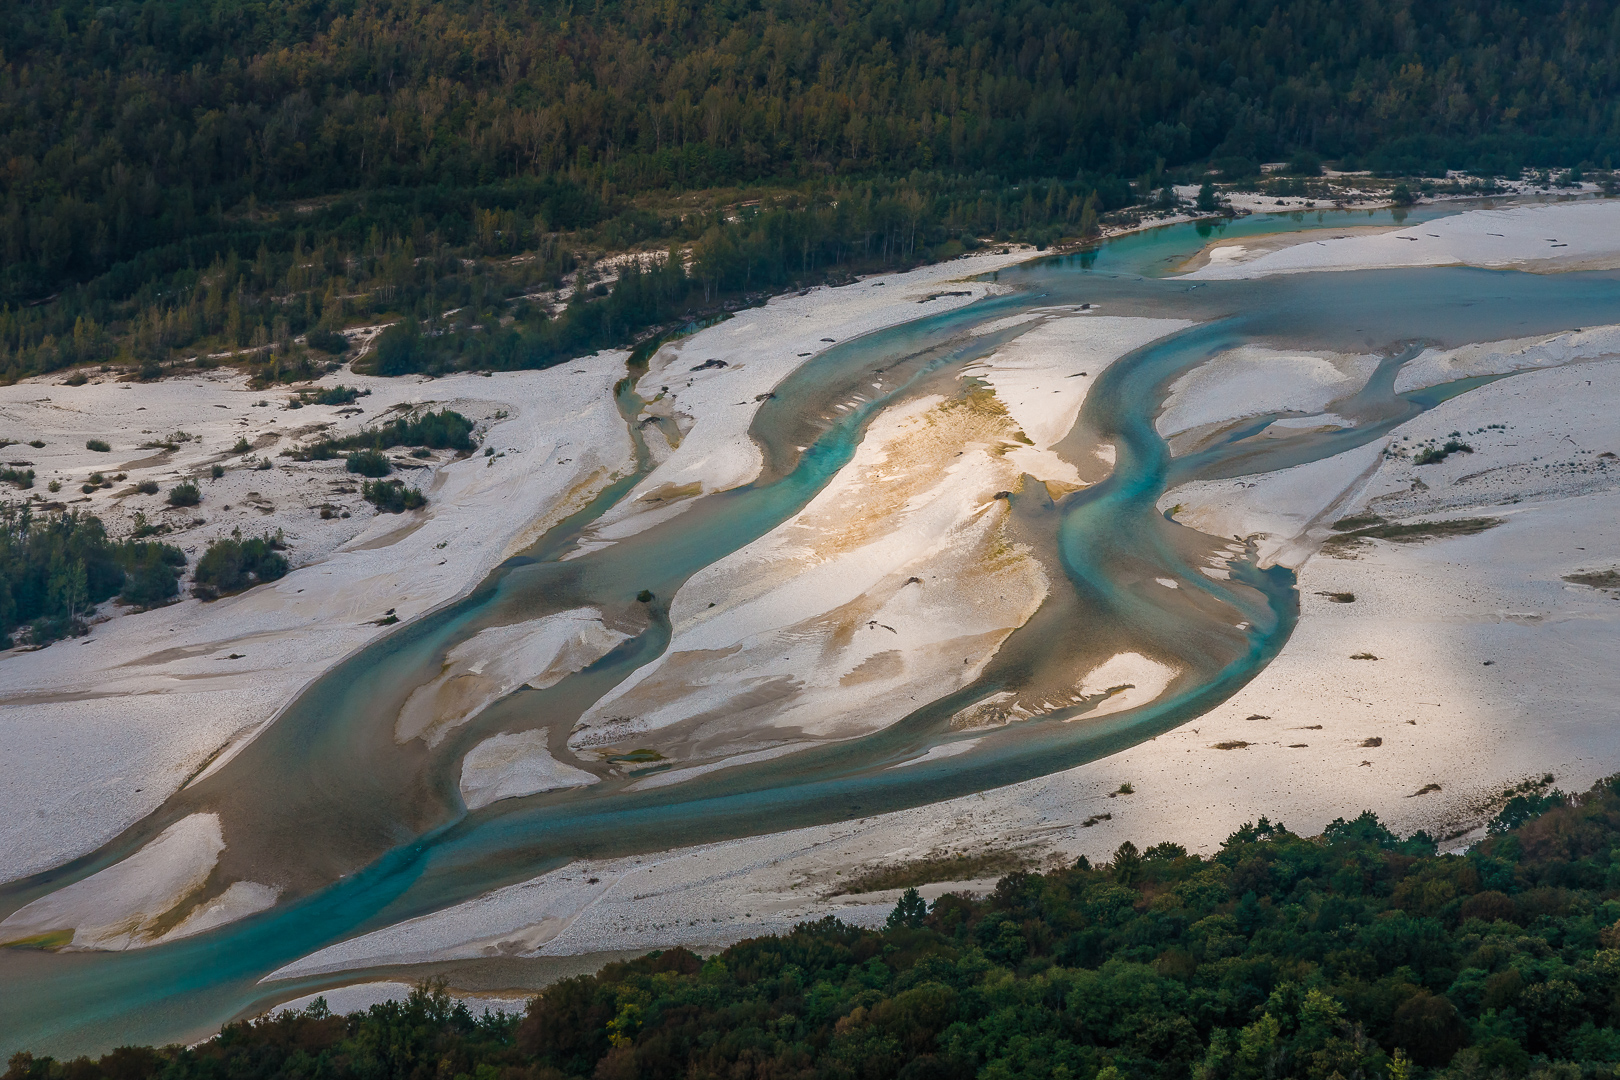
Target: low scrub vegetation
<point>392,496</point>
<point>961,867</point>
<point>55,569</point>
<point>184,494</point>
<point>443,430</point>
<point>233,564</point>
<point>1433,455</point>
<point>1416,533</point>
<point>369,463</point>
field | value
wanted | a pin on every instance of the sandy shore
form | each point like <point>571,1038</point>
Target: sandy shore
<point>895,585</point>
<point>96,732</point>
<point>1581,235</point>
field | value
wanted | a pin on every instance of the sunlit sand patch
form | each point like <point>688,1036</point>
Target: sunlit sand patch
<point>945,750</point>
<point>1253,380</point>
<point>1433,366</point>
<point>141,900</point>
<point>1042,376</point>
<point>511,766</point>
<point>1129,680</point>
<point>894,586</point>
<point>496,661</point>
<point>239,900</point>
<point>1586,235</point>
<point>1125,681</point>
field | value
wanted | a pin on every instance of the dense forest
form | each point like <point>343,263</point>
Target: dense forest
<point>1353,955</point>
<point>180,177</point>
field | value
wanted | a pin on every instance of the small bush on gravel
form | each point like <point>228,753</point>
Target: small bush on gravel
<point>184,494</point>
<point>233,564</point>
<point>392,496</point>
<point>369,463</point>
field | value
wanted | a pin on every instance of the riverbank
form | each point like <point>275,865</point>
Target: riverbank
<point>96,732</point>
<point>1422,681</point>
<point>1541,238</point>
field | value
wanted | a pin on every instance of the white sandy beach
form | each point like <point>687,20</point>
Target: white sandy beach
<point>1551,237</point>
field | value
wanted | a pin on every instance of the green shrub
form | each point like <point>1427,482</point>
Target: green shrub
<point>1433,455</point>
<point>97,445</point>
<point>23,479</point>
<point>184,494</point>
<point>242,447</point>
<point>216,471</point>
<point>328,341</point>
<point>147,487</point>
<point>392,496</point>
<point>443,430</point>
<point>331,395</point>
<point>151,573</point>
<point>233,564</point>
<point>55,569</point>
<point>369,463</point>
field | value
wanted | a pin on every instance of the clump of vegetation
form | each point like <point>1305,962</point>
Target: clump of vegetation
<point>98,445</point>
<point>147,487</point>
<point>1409,534</point>
<point>443,430</point>
<point>961,867</point>
<point>331,395</point>
<point>369,463</point>
<point>1596,579</point>
<point>184,493</point>
<point>233,564</point>
<point>242,446</point>
<point>1339,597</point>
<point>1524,801</point>
<point>391,496</point>
<point>20,478</point>
<point>1433,455</point>
<point>1231,744</point>
<point>327,341</point>
<point>216,471</point>
<point>55,569</point>
<point>170,442</point>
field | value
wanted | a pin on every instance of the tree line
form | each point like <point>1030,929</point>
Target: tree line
<point>183,173</point>
<point>1355,955</point>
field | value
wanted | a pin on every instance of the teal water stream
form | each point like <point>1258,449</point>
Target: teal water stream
<point>302,779</point>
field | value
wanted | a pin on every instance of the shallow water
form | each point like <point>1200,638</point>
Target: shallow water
<point>327,784</point>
